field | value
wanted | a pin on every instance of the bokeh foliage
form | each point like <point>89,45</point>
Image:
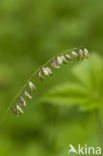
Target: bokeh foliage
<point>31,32</point>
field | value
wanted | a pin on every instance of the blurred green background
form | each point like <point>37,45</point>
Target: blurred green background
<point>67,108</point>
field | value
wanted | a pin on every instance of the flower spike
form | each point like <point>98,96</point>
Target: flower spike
<point>46,71</point>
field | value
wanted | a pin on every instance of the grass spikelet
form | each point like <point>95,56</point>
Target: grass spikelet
<point>27,94</point>
<point>80,53</point>
<point>59,60</point>
<point>41,75</point>
<point>19,109</point>
<point>54,64</point>
<point>74,54</point>
<point>85,53</point>
<point>68,57</point>
<point>31,86</point>
<point>22,101</point>
<point>49,71</point>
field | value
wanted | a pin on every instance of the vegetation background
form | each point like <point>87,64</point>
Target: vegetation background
<point>67,108</point>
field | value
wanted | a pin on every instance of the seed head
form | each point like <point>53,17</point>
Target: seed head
<point>85,53</point>
<point>19,109</point>
<point>41,75</point>
<point>59,60</point>
<point>74,54</point>
<point>27,94</point>
<point>31,86</point>
<point>55,64</point>
<point>80,53</point>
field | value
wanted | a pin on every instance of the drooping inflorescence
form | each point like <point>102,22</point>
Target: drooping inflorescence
<point>46,71</point>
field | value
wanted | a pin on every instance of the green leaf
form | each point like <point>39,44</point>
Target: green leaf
<point>68,94</point>
<point>90,72</point>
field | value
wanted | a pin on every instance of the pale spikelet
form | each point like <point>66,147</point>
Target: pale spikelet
<point>14,110</point>
<point>74,54</point>
<point>80,53</point>
<point>45,71</point>
<point>31,86</point>
<point>41,75</point>
<point>59,60</point>
<point>54,64</point>
<point>19,109</point>
<point>49,70</point>
<point>22,101</point>
<point>85,53</point>
<point>68,57</point>
<point>64,59</point>
<point>27,94</point>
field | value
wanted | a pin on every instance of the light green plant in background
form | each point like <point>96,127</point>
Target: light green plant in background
<point>31,32</point>
<point>85,93</point>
